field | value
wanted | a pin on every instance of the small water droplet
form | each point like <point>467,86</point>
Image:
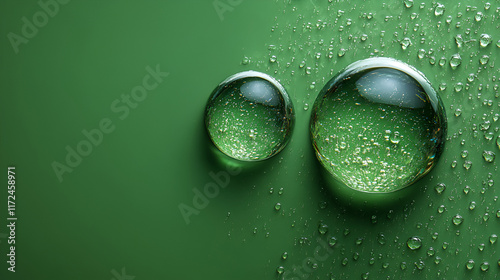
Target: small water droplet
<point>488,156</point>
<point>322,228</point>
<point>484,59</point>
<point>467,164</point>
<point>414,243</point>
<point>439,10</point>
<point>277,206</point>
<point>440,188</point>
<point>457,219</point>
<point>455,61</point>
<point>408,3</point>
<point>484,40</point>
<point>469,264</point>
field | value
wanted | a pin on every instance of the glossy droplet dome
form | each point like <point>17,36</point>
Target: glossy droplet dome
<point>378,126</point>
<point>249,116</point>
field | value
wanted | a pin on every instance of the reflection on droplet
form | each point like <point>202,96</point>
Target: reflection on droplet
<point>249,116</point>
<point>389,116</point>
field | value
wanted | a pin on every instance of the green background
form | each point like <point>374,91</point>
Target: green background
<point>119,208</point>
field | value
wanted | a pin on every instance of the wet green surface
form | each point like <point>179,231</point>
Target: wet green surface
<point>151,197</point>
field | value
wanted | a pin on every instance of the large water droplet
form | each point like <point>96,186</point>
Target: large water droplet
<point>391,119</point>
<point>249,116</point>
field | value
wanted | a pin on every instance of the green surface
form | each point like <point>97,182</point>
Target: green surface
<point>118,212</point>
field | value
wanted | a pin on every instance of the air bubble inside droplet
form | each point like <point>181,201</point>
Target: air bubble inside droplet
<point>249,116</point>
<point>391,120</point>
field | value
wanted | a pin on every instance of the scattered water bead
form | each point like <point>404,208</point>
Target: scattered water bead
<point>455,61</point>
<point>458,112</point>
<point>442,86</point>
<point>457,219</point>
<point>459,40</point>
<point>469,264</point>
<point>464,153</point>
<point>414,243</point>
<point>249,116</point>
<point>481,247</point>
<point>467,164</point>
<point>405,43</point>
<point>478,16</point>
<point>332,241</point>
<point>420,265</point>
<point>285,255</point>
<point>484,59</point>
<point>322,228</point>
<point>280,270</point>
<point>408,3</point>
<point>484,40</point>
<point>421,53</point>
<point>488,156</point>
<point>442,61</point>
<point>435,236</point>
<point>272,59</point>
<point>439,10</point>
<point>440,187</point>
<point>431,252</point>
<point>459,86</point>
<point>391,118</point>
<point>403,265</point>
<point>486,216</point>
<point>472,205</point>
<point>485,125</point>
<point>341,52</point>
<point>441,209</point>
<point>485,266</point>
<point>277,206</point>
<point>493,238</point>
<point>498,141</point>
<point>381,239</point>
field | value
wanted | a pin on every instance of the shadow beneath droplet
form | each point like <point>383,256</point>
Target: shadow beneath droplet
<point>361,204</point>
